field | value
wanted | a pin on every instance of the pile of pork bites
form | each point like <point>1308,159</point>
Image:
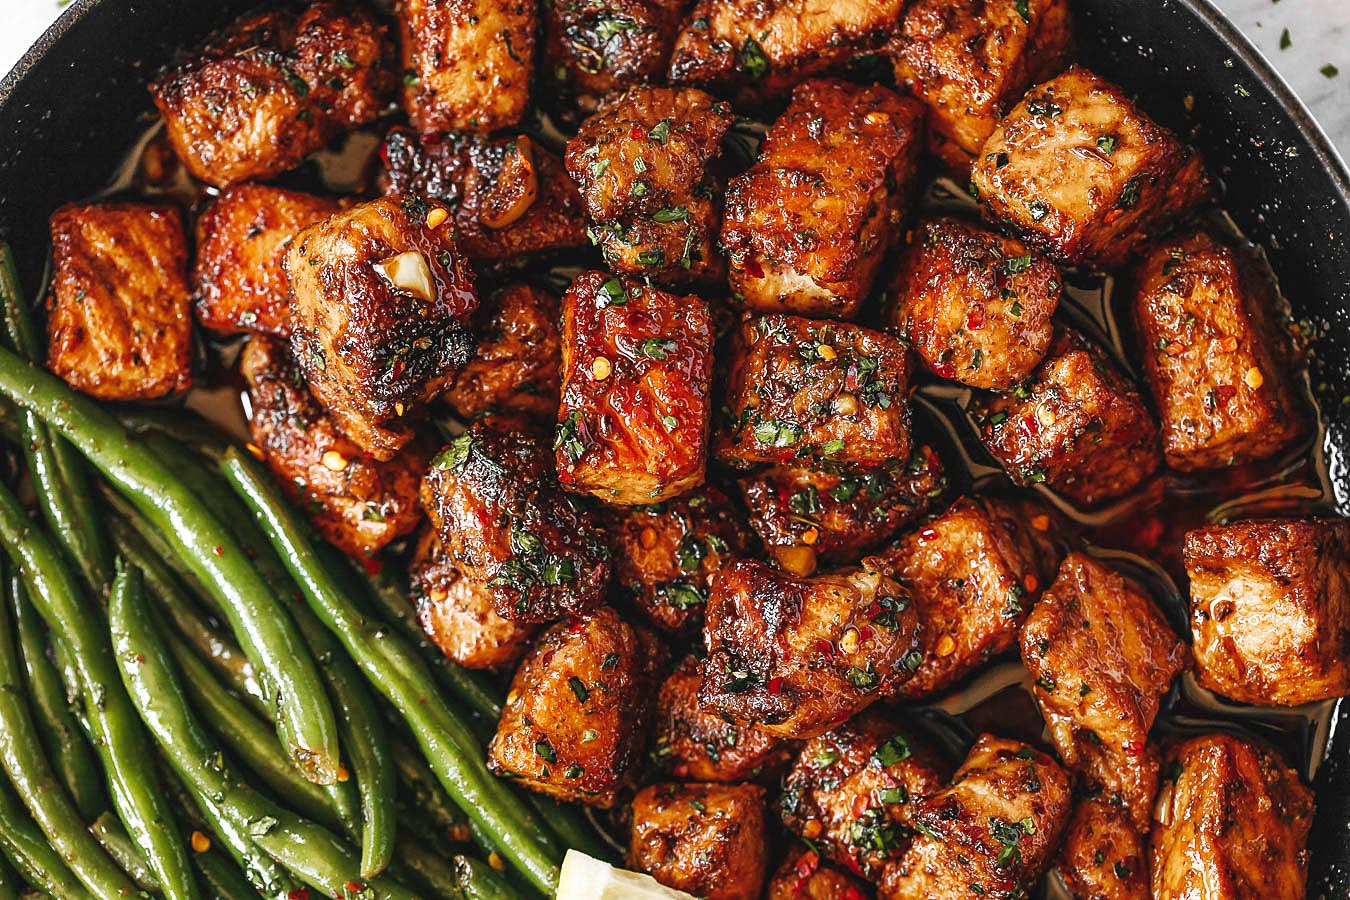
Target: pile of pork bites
<point>741,642</point>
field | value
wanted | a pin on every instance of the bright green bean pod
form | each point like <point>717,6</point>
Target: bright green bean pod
<point>70,755</point>
<point>266,633</point>
<point>118,844</point>
<point>479,881</point>
<point>308,851</point>
<point>29,852</point>
<point>39,788</point>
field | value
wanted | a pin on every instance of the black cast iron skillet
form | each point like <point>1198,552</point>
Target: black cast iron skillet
<point>77,101</point>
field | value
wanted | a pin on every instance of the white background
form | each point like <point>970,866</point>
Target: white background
<point>1319,33</point>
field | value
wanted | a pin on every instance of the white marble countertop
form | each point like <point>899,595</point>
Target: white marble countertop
<point>1318,36</point>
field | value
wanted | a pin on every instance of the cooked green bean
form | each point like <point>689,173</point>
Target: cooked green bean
<point>264,630</point>
<point>10,884</point>
<point>220,878</point>
<point>426,869</point>
<point>479,881</point>
<point>118,844</point>
<point>29,852</point>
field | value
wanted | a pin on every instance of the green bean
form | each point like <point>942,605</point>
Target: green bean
<point>308,851</point>
<point>479,881</point>
<point>221,879</point>
<point>427,869</point>
<point>29,852</point>
<point>10,885</point>
<point>266,633</point>
<point>394,667</point>
<point>426,794</point>
<point>39,788</point>
<point>70,755</point>
<point>110,834</point>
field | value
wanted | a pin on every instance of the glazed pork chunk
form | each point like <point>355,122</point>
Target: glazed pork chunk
<point>971,60</point>
<point>708,839</point>
<point>466,63</point>
<point>991,834</point>
<point>1078,425</point>
<point>579,709</point>
<point>807,226</point>
<point>796,656</point>
<point>1218,353</point>
<point>493,498</point>
<point>595,47</point>
<point>237,278</point>
<point>636,373</point>
<point>851,790</point>
<point>272,88</point>
<point>642,164</point>
<point>1104,856</point>
<point>1079,173</point>
<point>760,49</point>
<point>974,572</point>
<point>808,390</point>
<point>975,305</point>
<point>358,503</point>
<point>380,299</point>
<point>1232,825</point>
<point>1269,609</point>
<point>802,876</point>
<point>118,322</point>
<point>1103,656</point>
<point>516,366</point>
<point>509,196</point>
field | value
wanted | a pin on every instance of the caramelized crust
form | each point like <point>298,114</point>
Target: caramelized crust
<point>576,717</point>
<point>1083,176</point>
<point>237,278</point>
<point>1218,354</point>
<point>827,391</point>
<point>118,319</point>
<point>803,876</point>
<point>1232,825</point>
<point>1270,609</point>
<point>273,87</point>
<point>974,304</point>
<point>358,503</point>
<point>1078,425</point>
<point>598,46</point>
<point>516,365</point>
<point>466,63</point>
<point>709,839</point>
<point>1103,657</point>
<point>1104,857</point>
<point>798,656</point>
<point>380,301</point>
<point>807,226</point>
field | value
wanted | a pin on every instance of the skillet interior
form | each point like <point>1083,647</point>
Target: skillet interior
<point>77,101</point>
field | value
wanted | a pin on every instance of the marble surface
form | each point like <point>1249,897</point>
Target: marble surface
<point>1319,35</point>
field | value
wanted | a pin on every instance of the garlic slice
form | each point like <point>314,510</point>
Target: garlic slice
<point>409,272</point>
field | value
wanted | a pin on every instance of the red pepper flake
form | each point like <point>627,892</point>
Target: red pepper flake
<point>775,685</point>
<point>355,887</point>
<point>397,369</point>
<point>218,550</point>
<point>431,138</point>
<point>574,624</point>
<point>753,269</point>
<point>636,133</point>
<point>807,864</point>
<point>944,370</point>
<point>1134,748</point>
<point>975,318</point>
<point>866,633</point>
<point>928,534</point>
<point>301,893</point>
<point>1028,426</point>
<point>824,647</point>
<point>374,565</point>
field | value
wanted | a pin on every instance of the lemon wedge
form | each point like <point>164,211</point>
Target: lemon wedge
<point>587,878</point>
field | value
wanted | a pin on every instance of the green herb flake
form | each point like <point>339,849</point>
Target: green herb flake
<point>660,131</point>
<point>893,750</point>
<point>455,454</point>
<point>544,750</point>
<point>753,61</point>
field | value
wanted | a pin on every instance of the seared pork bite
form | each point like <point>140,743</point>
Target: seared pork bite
<point>515,368</point>
<point>594,47</point>
<point>1105,856</point>
<point>709,839</point>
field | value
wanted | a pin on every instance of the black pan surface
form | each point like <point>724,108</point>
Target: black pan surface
<point>76,103</point>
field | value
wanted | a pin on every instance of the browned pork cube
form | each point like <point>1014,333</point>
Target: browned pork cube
<point>803,876</point>
<point>636,371</point>
<point>806,517</point>
<point>1104,856</point>
<point>358,503</point>
<point>380,303</point>
<point>642,165</point>
<point>697,744</point>
<point>458,615</point>
<point>807,226</point>
<point>1270,609</point>
<point>242,237</point>
<point>798,656</point>
<point>118,322</point>
<point>577,715</point>
<point>1235,826</point>
<point>1103,656</point>
<point>510,197</point>
<point>974,571</point>
<point>493,497</point>
<point>1218,354</point>
<point>991,834</point>
<point>667,554</point>
<point>760,49</point>
<point>466,63</point>
<point>971,60</point>
<point>851,790</point>
<point>1082,175</point>
<point>273,87</point>
<point>516,367</point>
<point>598,46</point>
<point>1078,425</point>
<point>974,304</point>
<point>708,839</point>
<point>826,391</point>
